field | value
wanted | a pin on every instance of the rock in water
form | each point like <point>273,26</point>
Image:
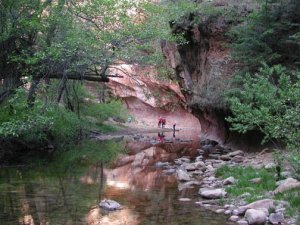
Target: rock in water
<point>212,194</point>
<point>110,205</point>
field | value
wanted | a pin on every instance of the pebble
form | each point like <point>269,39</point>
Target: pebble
<point>184,199</point>
<point>227,212</point>
<point>234,218</point>
<point>219,210</point>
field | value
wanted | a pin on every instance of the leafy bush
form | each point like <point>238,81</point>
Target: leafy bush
<point>52,122</point>
<point>269,102</point>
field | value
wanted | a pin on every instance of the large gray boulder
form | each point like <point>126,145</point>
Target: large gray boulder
<point>255,216</point>
<point>110,205</point>
<point>276,218</point>
<point>213,194</point>
<point>287,184</point>
<point>260,204</point>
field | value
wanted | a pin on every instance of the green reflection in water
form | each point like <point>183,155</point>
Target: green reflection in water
<point>54,191</point>
<point>68,188</point>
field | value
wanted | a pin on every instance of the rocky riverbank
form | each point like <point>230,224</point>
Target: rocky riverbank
<point>200,172</point>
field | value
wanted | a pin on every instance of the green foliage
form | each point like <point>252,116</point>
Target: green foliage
<point>53,122</point>
<point>268,35</point>
<point>293,198</point>
<point>243,185</point>
<point>269,102</point>
<point>89,152</point>
<point>258,191</point>
<point>16,119</point>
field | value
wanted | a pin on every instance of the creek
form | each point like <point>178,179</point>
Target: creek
<point>67,188</point>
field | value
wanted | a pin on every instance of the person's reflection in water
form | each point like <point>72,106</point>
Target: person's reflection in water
<point>174,129</point>
<point>161,136</point>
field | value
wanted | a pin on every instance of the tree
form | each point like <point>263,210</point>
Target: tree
<point>269,102</point>
<point>268,35</point>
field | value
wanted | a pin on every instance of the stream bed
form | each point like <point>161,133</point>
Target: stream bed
<point>67,189</point>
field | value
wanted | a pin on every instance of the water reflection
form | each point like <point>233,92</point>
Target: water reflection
<point>68,191</point>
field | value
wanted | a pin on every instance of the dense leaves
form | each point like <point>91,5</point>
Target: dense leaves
<point>270,34</point>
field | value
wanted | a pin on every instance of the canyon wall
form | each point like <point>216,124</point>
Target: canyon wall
<point>147,97</point>
<point>203,66</point>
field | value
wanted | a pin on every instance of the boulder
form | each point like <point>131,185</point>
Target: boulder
<point>287,184</point>
<point>212,194</point>
<point>276,218</point>
<point>110,205</point>
<point>255,216</point>
<point>210,168</point>
<point>229,180</point>
<point>182,175</point>
<point>264,203</point>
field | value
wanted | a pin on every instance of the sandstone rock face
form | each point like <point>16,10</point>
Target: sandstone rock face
<point>202,65</point>
<point>148,98</point>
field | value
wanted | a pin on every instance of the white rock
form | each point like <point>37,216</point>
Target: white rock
<point>184,199</point>
<point>227,212</point>
<point>182,175</point>
<point>234,218</point>
<point>213,194</point>
<point>219,210</point>
<point>254,216</point>
<point>235,212</point>
<point>276,218</point>
<point>287,184</point>
<point>242,222</point>
<point>229,180</point>
<point>210,168</point>
<point>110,205</point>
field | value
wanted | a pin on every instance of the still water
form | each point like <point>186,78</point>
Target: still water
<point>66,190</point>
